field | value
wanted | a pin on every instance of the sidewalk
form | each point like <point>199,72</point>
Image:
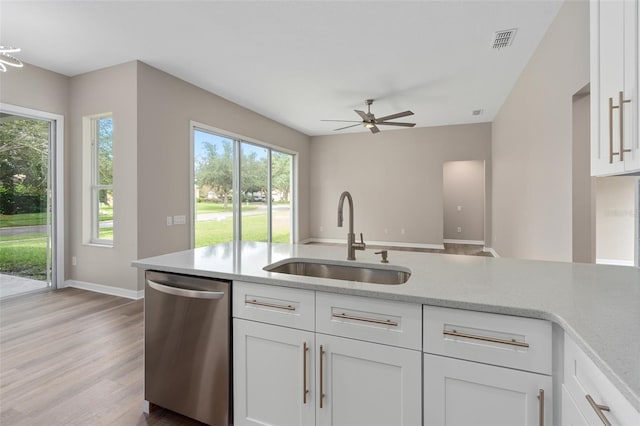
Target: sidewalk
<point>11,285</point>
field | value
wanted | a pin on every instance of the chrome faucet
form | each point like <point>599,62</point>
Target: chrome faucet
<point>352,245</point>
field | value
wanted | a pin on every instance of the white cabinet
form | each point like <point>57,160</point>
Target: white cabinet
<point>594,396</point>
<point>289,376</point>
<point>367,384</point>
<point>571,415</point>
<point>273,374</point>
<point>460,385</point>
<point>614,87</point>
<point>462,393</point>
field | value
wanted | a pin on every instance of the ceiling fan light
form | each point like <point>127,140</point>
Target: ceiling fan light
<point>369,125</point>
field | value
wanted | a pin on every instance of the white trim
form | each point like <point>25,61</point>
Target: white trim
<point>375,243</point>
<point>105,289</point>
<point>57,153</point>
<point>474,242</point>
<point>492,251</point>
<point>616,262</point>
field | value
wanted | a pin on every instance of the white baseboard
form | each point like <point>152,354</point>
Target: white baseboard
<point>492,251</point>
<point>375,243</point>
<point>105,289</point>
<point>474,242</point>
<point>614,262</point>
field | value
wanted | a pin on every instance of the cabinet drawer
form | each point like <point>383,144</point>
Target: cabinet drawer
<point>290,307</point>
<point>515,342</point>
<point>374,320</point>
<point>582,378</point>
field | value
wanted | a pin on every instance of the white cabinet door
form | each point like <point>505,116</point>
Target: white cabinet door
<point>614,74</point>
<point>571,415</point>
<point>462,393</point>
<point>270,371</point>
<point>366,384</point>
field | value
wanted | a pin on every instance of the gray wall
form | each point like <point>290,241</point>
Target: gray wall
<point>151,113</point>
<point>114,90</point>
<point>463,186</point>
<point>166,104</point>
<point>395,178</point>
<point>531,147</point>
<point>583,186</point>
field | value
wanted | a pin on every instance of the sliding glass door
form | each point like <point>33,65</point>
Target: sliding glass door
<point>242,190</point>
<point>25,204</point>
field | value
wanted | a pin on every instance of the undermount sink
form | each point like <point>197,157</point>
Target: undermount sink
<point>365,273</point>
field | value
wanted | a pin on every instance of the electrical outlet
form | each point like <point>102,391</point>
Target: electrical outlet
<point>169,220</point>
<point>402,231</point>
<point>179,220</point>
<point>386,231</point>
<point>74,261</point>
<point>459,208</point>
<point>459,229</point>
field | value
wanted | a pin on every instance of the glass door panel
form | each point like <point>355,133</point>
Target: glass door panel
<point>254,185</point>
<point>281,180</point>
<point>25,204</point>
<point>213,188</point>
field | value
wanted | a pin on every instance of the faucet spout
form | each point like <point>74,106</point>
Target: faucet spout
<point>352,245</point>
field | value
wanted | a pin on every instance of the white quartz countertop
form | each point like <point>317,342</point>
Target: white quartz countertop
<point>597,305</point>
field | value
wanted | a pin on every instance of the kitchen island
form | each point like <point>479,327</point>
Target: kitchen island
<point>598,306</point>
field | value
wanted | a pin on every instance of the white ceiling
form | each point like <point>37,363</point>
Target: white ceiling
<point>299,61</point>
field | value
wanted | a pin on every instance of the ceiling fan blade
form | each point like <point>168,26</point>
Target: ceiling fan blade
<point>395,124</point>
<point>362,114</point>
<point>344,121</point>
<point>346,127</point>
<point>374,129</point>
<point>392,116</point>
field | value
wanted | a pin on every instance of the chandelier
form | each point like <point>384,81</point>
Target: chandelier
<point>6,59</point>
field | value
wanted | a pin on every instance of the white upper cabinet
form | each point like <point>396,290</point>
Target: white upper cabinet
<point>614,87</point>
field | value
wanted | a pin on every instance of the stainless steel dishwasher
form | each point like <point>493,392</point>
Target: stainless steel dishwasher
<point>187,344</point>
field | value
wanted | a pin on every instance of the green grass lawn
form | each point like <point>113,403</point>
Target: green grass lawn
<point>254,228</point>
<point>205,207</point>
<point>24,255</point>
<point>25,219</point>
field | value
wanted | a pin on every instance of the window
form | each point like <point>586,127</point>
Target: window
<point>101,189</point>
<point>261,209</point>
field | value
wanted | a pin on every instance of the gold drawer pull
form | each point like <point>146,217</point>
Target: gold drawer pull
<point>599,408</point>
<point>373,320</point>
<point>270,305</point>
<point>511,342</point>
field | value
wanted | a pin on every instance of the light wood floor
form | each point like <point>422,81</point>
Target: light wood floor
<point>73,357</point>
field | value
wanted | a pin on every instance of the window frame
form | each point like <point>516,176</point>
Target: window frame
<point>237,201</point>
<point>94,186</point>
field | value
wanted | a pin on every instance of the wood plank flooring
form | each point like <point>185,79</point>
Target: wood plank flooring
<point>73,357</point>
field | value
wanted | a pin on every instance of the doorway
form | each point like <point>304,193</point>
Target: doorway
<point>463,189</point>
<point>31,243</point>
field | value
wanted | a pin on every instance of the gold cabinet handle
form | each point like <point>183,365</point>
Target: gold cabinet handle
<point>270,305</point>
<point>512,342</point>
<point>363,319</point>
<point>599,408</point>
<point>621,102</point>
<point>541,407</point>
<point>321,376</point>
<point>305,391</point>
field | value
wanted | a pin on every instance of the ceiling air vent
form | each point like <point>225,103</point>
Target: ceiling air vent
<point>503,38</point>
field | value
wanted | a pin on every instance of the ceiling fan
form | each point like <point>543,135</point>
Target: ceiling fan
<point>371,122</point>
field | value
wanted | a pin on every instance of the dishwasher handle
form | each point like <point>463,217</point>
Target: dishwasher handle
<point>184,292</point>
